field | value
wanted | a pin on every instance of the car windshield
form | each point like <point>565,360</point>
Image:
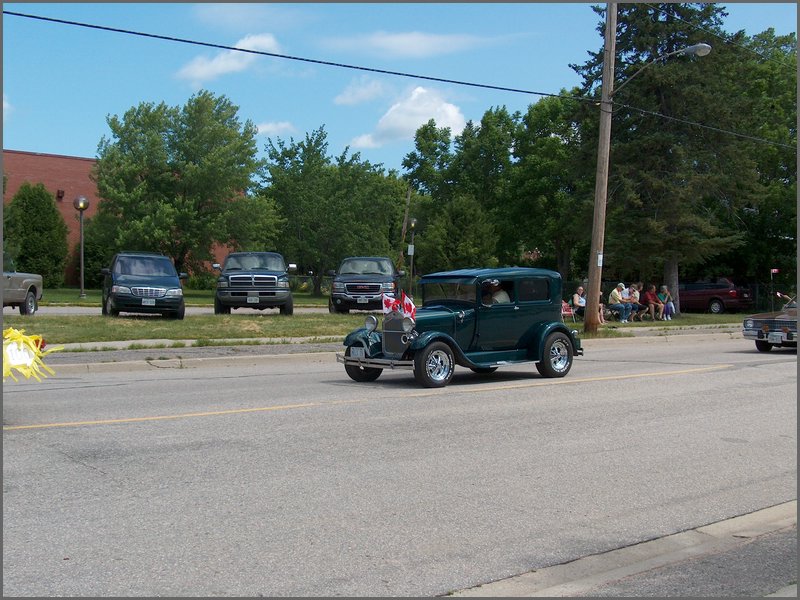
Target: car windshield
<point>154,267</point>
<point>254,262</point>
<point>443,293</point>
<point>366,266</point>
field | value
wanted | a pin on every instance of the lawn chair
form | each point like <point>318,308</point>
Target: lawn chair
<point>567,312</point>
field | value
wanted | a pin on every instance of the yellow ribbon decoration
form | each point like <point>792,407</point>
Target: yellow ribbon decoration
<point>23,353</point>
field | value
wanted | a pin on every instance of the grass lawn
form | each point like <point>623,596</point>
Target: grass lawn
<point>71,296</point>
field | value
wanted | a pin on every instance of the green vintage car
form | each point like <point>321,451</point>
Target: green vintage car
<point>481,319</point>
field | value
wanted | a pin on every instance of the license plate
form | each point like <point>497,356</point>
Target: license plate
<point>252,299</point>
<point>357,352</point>
<point>148,301</point>
<point>775,338</point>
<point>362,300</point>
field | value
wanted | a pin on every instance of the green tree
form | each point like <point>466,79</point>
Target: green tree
<point>36,234</point>
<point>171,176</point>
<point>549,206</point>
<point>332,208</point>
<point>677,192</point>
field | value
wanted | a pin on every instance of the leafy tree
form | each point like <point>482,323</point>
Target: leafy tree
<point>550,207</point>
<point>677,192</point>
<point>429,164</point>
<point>36,233</point>
<point>459,234</point>
<point>332,209</point>
<point>172,176</point>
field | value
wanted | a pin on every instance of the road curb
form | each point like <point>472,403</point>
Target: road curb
<point>243,360</point>
<point>579,577</point>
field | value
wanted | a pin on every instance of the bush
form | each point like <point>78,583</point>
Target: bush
<point>37,233</point>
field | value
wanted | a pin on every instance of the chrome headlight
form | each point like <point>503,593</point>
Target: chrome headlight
<point>388,287</point>
<point>338,286</point>
<point>748,323</point>
<point>120,289</point>
<point>283,284</point>
<point>371,323</point>
<point>408,324</point>
<point>174,293</point>
<point>222,283</point>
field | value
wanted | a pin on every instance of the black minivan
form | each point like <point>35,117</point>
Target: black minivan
<point>142,282</point>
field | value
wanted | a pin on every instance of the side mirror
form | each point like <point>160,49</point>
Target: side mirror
<point>401,273</point>
<point>292,268</point>
<point>183,276</point>
<point>105,271</point>
<point>216,266</point>
<point>331,273</point>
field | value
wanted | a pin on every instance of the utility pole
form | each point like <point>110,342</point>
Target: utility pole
<point>593,289</point>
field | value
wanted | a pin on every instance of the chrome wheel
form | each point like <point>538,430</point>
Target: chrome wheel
<point>434,365</point>
<point>556,356</point>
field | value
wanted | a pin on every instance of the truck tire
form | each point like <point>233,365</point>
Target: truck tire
<point>29,306</point>
<point>288,308</point>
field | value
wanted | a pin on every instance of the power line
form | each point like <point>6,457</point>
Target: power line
<point>296,58</point>
<point>374,70</point>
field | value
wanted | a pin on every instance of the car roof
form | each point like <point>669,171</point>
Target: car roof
<point>253,252</point>
<point>368,258</point>
<point>505,272</point>
<point>139,253</point>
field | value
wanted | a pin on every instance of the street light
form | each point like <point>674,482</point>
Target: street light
<point>81,204</point>
<point>412,223</point>
<point>593,291</point>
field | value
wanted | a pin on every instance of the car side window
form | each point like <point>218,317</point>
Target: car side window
<point>495,291</point>
<point>533,289</point>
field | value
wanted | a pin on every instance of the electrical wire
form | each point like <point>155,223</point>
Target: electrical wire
<point>381,71</point>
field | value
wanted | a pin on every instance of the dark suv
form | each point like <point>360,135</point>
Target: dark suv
<point>481,319</point>
<point>360,281</point>
<point>715,296</point>
<point>253,280</point>
<point>142,282</point>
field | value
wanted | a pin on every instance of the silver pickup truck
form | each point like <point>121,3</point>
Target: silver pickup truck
<point>20,289</point>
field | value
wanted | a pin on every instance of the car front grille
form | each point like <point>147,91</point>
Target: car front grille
<point>252,281</point>
<point>775,325</point>
<point>355,289</point>
<point>148,292</point>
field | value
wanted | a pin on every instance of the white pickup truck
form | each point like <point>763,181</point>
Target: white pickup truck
<point>20,289</point>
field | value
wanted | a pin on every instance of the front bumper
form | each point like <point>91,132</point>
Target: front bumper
<point>348,302</point>
<point>253,298</point>
<point>777,338</point>
<point>136,304</point>
<point>379,363</point>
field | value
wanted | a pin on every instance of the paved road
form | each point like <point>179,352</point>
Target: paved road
<point>277,475</point>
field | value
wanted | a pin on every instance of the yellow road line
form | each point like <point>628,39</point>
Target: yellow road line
<point>422,394</point>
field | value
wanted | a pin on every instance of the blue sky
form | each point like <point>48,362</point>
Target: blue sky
<point>60,82</point>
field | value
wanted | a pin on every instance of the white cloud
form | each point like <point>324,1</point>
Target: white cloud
<point>360,91</point>
<point>403,119</point>
<point>275,128</point>
<point>7,108</point>
<point>203,68</point>
<point>246,17</point>
<point>412,44</point>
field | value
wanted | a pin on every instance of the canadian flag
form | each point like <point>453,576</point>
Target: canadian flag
<point>390,304</point>
<point>409,310</point>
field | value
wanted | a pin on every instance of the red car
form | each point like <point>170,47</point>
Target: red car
<point>715,296</point>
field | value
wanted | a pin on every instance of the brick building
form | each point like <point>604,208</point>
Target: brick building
<point>66,177</point>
